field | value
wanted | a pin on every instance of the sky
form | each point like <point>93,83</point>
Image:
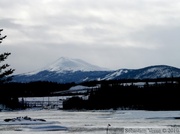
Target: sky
<point>113,34</point>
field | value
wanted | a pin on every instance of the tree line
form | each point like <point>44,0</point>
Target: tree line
<point>157,96</point>
<point>10,92</point>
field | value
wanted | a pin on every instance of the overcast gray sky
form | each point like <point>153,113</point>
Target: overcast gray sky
<point>109,33</point>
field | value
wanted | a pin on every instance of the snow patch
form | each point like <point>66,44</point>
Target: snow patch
<point>115,74</point>
<point>79,87</point>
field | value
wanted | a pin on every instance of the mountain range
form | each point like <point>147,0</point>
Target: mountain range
<point>66,70</point>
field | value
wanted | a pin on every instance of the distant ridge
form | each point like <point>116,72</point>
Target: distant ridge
<point>66,70</point>
<point>150,72</point>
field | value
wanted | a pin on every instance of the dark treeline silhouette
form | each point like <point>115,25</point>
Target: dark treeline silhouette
<point>154,94</point>
<point>10,92</point>
<point>163,94</point>
<point>33,89</point>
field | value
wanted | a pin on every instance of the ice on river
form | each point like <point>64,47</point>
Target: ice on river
<point>91,122</point>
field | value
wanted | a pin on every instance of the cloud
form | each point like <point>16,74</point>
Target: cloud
<point>138,31</point>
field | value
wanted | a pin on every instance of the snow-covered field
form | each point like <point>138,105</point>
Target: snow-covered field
<point>91,122</point>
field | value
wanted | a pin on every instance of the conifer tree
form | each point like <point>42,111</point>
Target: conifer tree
<point>4,71</point>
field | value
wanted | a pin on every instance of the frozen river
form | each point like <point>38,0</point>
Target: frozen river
<point>91,122</point>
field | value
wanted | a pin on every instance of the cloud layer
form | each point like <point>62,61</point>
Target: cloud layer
<point>110,33</point>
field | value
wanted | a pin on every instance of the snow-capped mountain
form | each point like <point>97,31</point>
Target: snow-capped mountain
<point>151,72</point>
<point>66,70</point>
<point>67,64</point>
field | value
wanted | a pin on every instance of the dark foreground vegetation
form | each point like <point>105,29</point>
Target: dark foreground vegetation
<point>150,94</point>
<point>10,92</point>
<point>161,94</point>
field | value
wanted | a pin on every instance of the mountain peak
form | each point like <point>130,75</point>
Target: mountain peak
<point>68,64</point>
